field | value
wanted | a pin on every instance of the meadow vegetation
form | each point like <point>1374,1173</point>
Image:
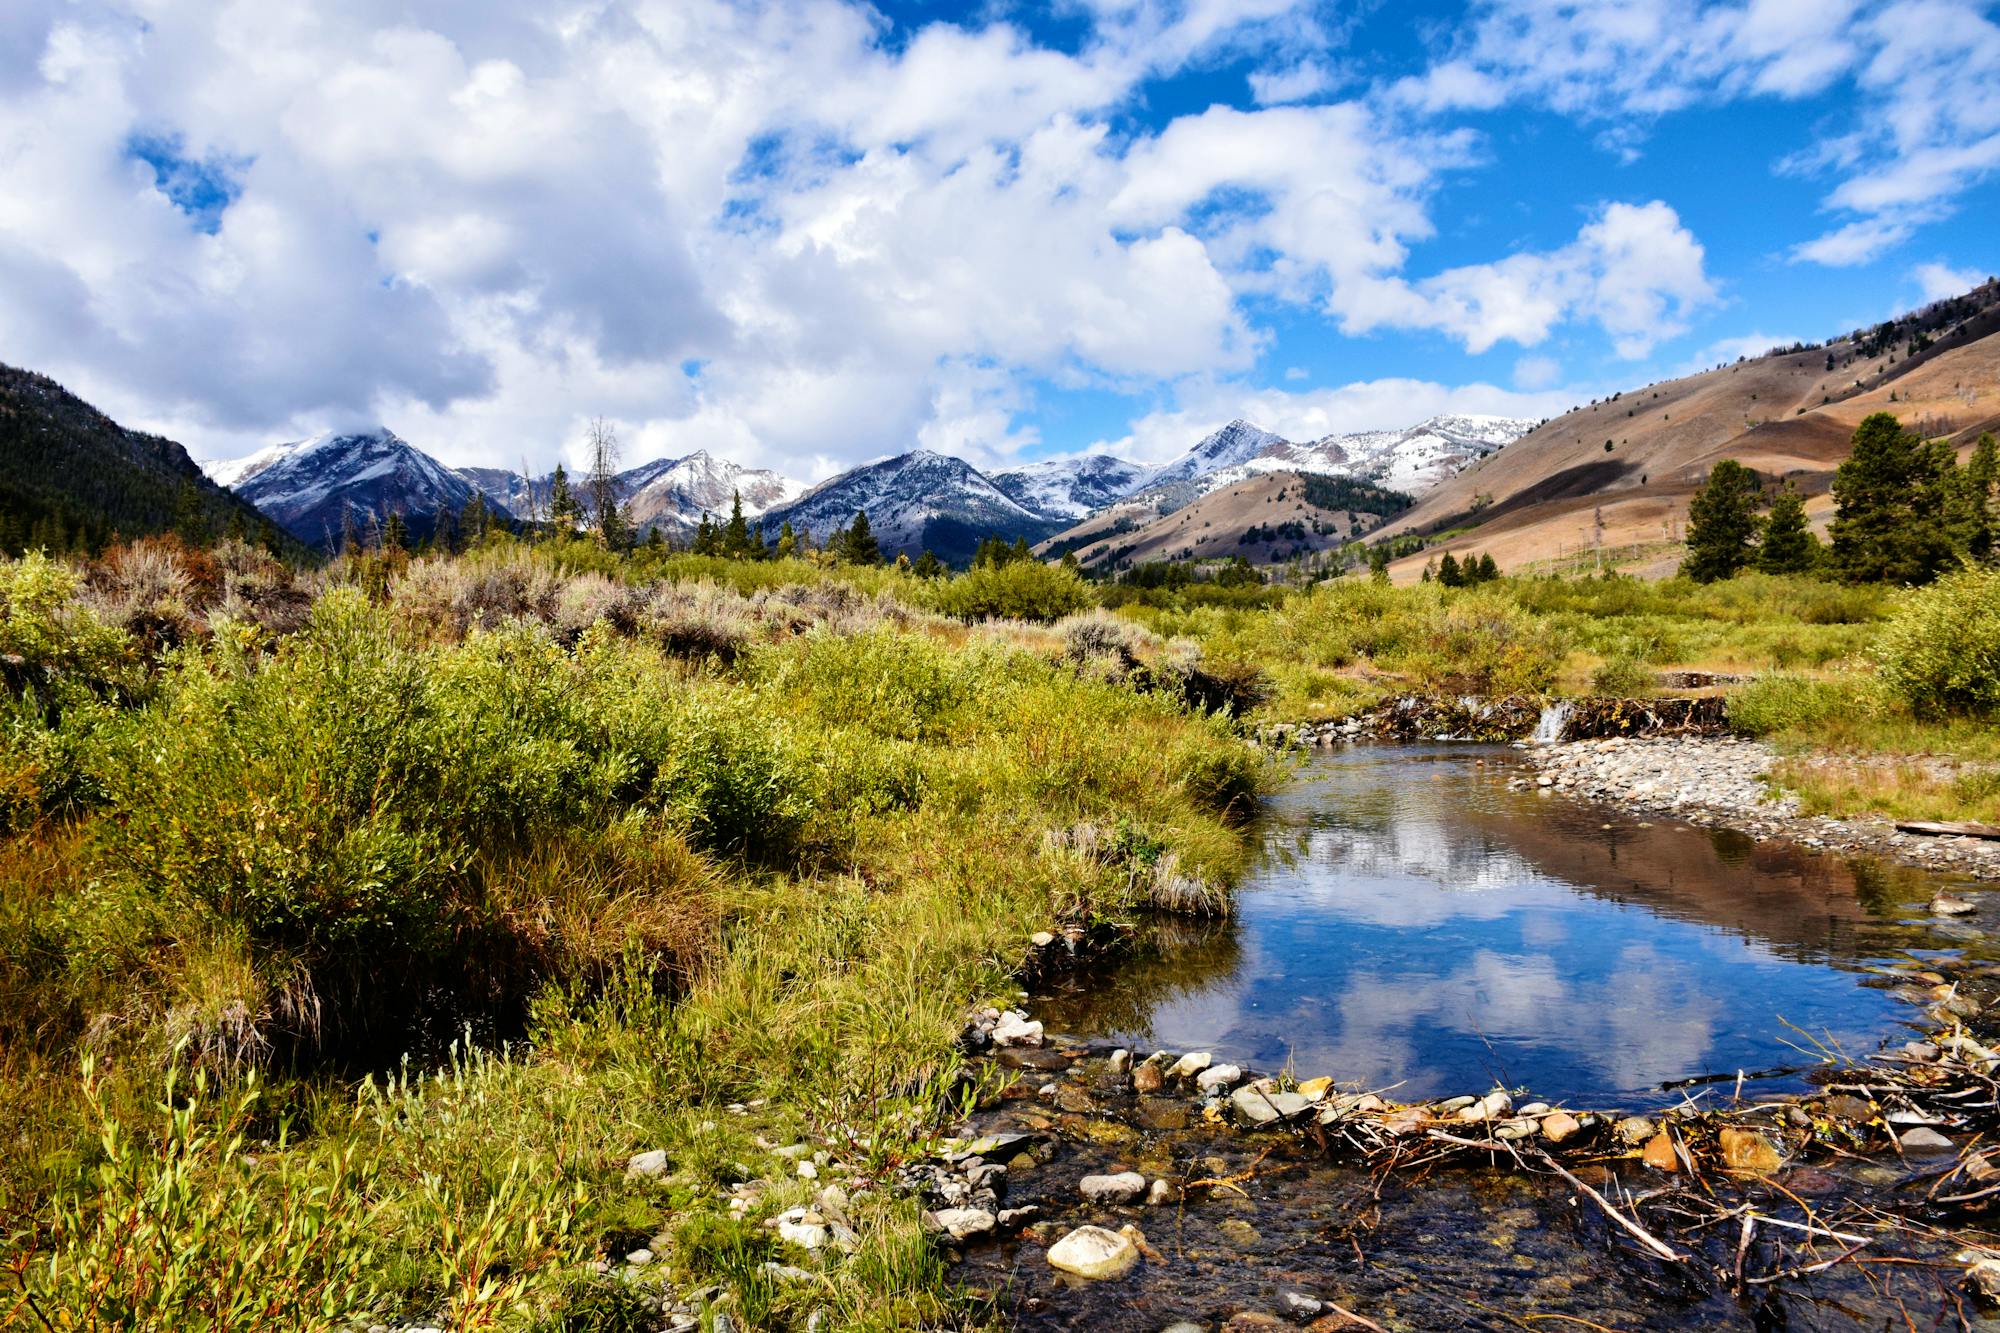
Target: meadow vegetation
<point>358,924</point>
<point>355,933</point>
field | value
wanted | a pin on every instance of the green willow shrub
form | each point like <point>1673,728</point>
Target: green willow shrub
<point>1781,701</point>
<point>1019,590</point>
<point>1940,652</point>
<point>1479,643</point>
<point>1624,678</point>
<point>899,685</point>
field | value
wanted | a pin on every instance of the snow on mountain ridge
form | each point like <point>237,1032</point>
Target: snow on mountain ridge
<point>316,488</point>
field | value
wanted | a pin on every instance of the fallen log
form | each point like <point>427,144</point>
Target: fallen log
<point>1934,829</point>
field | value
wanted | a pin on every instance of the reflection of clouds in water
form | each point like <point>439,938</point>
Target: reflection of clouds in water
<point>1383,818</point>
<point>1387,933</point>
<point>1544,929</point>
<point>1644,1024</point>
<point>1403,900</point>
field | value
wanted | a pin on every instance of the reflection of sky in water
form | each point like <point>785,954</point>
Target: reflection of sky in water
<point>1398,932</point>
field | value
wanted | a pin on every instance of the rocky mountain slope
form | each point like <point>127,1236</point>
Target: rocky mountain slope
<point>921,501</point>
<point>670,494</point>
<point>71,477</point>
<point>1071,488</point>
<point>1171,513</point>
<point>316,489</point>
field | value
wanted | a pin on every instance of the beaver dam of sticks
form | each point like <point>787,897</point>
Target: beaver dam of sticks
<point>1473,1058</point>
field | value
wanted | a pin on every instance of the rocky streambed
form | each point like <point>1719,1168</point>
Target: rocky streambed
<point>1115,1190</point>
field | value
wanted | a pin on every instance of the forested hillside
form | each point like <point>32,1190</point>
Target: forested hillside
<point>71,478</point>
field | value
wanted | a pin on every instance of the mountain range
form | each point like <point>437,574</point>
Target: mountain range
<point>318,488</point>
<point>1607,482</point>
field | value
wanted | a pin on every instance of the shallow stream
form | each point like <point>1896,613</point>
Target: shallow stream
<point>1414,925</point>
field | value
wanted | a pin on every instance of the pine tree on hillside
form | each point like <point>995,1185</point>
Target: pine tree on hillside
<point>1979,518</point>
<point>1489,569</point>
<point>1378,563</point>
<point>707,541</point>
<point>928,566</point>
<point>1892,524</point>
<point>1789,546</point>
<point>860,547</point>
<point>1722,523</point>
<point>1448,572</point>
<point>788,541</point>
<point>395,535</point>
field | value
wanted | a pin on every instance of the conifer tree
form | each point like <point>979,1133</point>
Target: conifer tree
<point>564,509</point>
<point>1981,517</point>
<point>1448,573</point>
<point>928,566</point>
<point>395,536</point>
<point>1892,522</point>
<point>1489,569</point>
<point>1378,563</point>
<point>1722,523</point>
<point>788,541</point>
<point>654,541</point>
<point>861,548</point>
<point>1789,546</point>
<point>473,518</point>
<point>736,535</point>
<point>706,539</point>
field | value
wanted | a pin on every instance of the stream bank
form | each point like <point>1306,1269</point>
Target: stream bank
<point>1721,781</point>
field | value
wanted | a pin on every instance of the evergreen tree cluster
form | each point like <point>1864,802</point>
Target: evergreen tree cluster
<point>1905,512</point>
<point>1455,573</point>
<point>737,540</point>
<point>993,552</point>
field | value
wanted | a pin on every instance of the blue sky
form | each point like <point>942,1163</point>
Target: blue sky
<point>805,233</point>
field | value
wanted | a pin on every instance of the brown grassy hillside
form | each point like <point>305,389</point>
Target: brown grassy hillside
<point>1215,526</point>
<point>1557,498</point>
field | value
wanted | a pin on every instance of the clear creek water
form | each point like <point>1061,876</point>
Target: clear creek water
<point>1413,923</point>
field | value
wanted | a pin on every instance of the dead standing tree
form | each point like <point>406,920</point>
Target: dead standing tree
<point>602,484</point>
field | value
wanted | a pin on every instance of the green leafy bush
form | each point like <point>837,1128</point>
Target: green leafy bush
<point>1018,590</point>
<point>1940,652</point>
<point>1781,702</point>
<point>1623,678</point>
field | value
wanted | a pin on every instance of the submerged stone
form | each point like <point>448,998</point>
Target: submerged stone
<point>1123,1187</point>
<point>1094,1253</point>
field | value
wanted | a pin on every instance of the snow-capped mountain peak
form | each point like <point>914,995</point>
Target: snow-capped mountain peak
<point>315,488</point>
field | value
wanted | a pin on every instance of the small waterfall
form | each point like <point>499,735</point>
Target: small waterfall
<point>1549,726</point>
